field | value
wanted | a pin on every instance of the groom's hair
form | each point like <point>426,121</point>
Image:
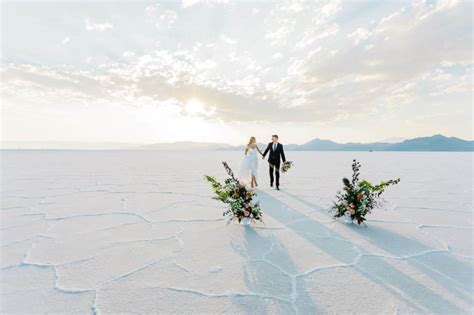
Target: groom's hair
<point>276,136</point>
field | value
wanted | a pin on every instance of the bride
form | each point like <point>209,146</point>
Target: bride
<point>249,165</point>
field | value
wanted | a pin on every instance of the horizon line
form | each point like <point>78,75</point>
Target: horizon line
<point>220,143</point>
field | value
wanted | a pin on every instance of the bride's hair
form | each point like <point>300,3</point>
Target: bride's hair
<point>252,140</point>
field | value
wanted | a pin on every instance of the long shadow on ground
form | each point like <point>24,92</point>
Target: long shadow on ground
<point>375,268</point>
<point>442,267</point>
<point>270,271</point>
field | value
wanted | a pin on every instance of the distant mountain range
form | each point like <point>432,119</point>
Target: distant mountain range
<point>433,143</point>
<point>393,140</point>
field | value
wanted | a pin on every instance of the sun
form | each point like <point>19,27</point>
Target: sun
<point>194,107</point>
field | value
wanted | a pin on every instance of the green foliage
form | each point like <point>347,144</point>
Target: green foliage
<point>236,196</point>
<point>359,197</point>
<point>286,166</point>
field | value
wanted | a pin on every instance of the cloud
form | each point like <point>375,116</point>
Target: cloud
<point>359,35</point>
<point>169,18</point>
<point>160,16</point>
<point>190,3</point>
<point>292,62</point>
<point>226,39</point>
<point>301,24</point>
<point>403,46</point>
<point>100,27</point>
<point>277,55</point>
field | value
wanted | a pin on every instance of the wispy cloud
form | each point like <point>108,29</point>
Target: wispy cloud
<point>101,27</point>
<point>359,35</point>
<point>190,3</point>
<point>226,39</point>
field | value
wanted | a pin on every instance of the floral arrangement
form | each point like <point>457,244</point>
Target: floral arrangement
<point>359,197</point>
<point>236,196</point>
<point>286,166</point>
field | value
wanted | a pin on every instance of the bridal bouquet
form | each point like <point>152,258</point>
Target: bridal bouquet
<point>236,196</point>
<point>359,197</point>
<point>286,166</point>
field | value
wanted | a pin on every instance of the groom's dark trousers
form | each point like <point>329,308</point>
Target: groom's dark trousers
<point>274,161</point>
<point>274,168</point>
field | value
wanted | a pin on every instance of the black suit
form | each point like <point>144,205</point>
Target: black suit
<point>276,156</point>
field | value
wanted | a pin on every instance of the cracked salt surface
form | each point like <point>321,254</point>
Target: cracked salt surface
<point>215,269</point>
<point>142,234</point>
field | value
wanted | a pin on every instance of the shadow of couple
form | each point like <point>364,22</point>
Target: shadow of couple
<point>269,268</point>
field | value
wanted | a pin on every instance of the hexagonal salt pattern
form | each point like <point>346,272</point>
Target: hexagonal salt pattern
<point>138,231</point>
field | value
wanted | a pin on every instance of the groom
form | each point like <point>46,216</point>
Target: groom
<point>276,152</point>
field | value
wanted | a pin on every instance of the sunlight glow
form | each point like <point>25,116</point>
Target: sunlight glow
<point>194,107</point>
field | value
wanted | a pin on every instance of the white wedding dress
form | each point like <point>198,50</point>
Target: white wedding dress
<point>248,167</point>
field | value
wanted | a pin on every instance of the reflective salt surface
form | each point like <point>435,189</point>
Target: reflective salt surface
<point>137,231</point>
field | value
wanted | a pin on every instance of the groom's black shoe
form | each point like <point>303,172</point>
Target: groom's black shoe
<point>278,187</point>
<point>271,184</point>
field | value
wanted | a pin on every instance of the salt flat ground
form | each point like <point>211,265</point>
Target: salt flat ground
<point>137,231</point>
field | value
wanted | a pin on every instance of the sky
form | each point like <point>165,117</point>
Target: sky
<point>222,71</point>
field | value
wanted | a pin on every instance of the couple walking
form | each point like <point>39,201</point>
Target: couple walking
<point>249,165</point>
